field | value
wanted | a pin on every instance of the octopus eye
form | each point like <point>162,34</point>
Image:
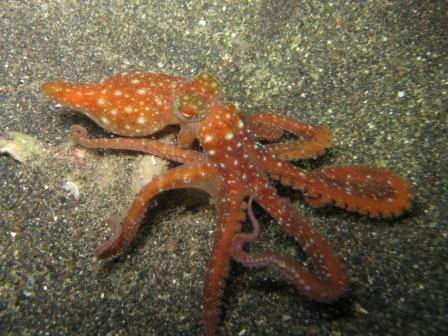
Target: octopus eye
<point>191,107</point>
<point>209,84</point>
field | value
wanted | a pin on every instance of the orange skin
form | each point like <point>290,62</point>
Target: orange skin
<point>231,167</point>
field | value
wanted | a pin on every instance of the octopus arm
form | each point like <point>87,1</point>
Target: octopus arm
<point>313,139</point>
<point>366,190</point>
<point>330,281</point>
<point>262,128</point>
<point>80,136</point>
<point>199,175</point>
<point>229,217</point>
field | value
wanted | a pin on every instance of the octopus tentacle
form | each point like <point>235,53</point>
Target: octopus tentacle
<point>262,130</point>
<point>330,283</point>
<point>201,176</point>
<point>79,135</point>
<point>228,218</point>
<point>315,139</point>
<point>366,190</point>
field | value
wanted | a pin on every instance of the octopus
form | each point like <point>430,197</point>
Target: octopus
<point>234,159</point>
